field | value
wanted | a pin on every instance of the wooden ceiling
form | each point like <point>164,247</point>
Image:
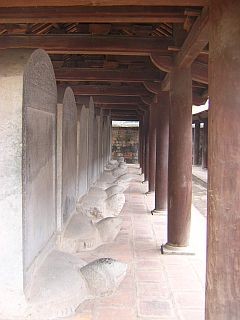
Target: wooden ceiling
<point>120,52</point>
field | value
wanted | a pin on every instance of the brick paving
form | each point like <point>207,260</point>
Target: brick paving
<point>156,286</point>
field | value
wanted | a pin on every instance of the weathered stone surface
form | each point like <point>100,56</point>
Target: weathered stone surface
<point>95,148</point>
<point>104,276</point>
<point>64,281</point>
<point>82,234</point>
<point>114,204</point>
<point>115,189</point>
<point>27,188</point>
<point>106,180</point>
<point>69,154</point>
<point>39,127</point>
<point>120,170</point>
<point>92,206</point>
<point>83,151</point>
<point>98,193</point>
<point>37,282</point>
<point>111,165</point>
<point>97,204</point>
<point>127,177</point>
<point>109,228</point>
<point>120,159</point>
<point>58,288</point>
<point>90,170</point>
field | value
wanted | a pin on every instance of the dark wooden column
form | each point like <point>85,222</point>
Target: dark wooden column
<point>180,160</point>
<point>162,142</point>
<point>205,145</point>
<point>196,143</point>
<point>140,144</point>
<point>152,148</point>
<point>223,232</point>
<point>146,140</point>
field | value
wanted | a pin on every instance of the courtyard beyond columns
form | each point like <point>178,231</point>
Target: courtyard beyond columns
<point>157,286</point>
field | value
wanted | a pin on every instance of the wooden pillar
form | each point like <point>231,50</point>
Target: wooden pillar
<point>152,148</point>
<point>143,145</point>
<point>223,232</point>
<point>205,145</point>
<point>146,154</point>
<point>196,143</point>
<point>140,151</point>
<point>180,161</point>
<point>162,142</point>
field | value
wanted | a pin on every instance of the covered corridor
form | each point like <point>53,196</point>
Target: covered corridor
<point>77,225</point>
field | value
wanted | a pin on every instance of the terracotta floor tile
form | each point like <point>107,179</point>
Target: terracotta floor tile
<point>151,276</point>
<point>157,308</point>
<point>153,290</point>
<point>110,313</point>
<point>154,264</point>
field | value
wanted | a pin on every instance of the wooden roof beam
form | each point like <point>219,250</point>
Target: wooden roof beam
<point>116,106</point>
<point>75,74</point>
<point>97,3</point>
<point>78,44</point>
<point>116,100</point>
<point>80,14</point>
<point>103,90</point>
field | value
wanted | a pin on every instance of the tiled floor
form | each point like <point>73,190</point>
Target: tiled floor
<point>157,286</point>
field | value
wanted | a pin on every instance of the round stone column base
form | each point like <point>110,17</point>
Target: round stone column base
<point>175,250</point>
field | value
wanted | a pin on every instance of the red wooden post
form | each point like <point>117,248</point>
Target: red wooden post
<point>180,161</point>
<point>162,142</point>
<point>152,148</point>
<point>223,232</point>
